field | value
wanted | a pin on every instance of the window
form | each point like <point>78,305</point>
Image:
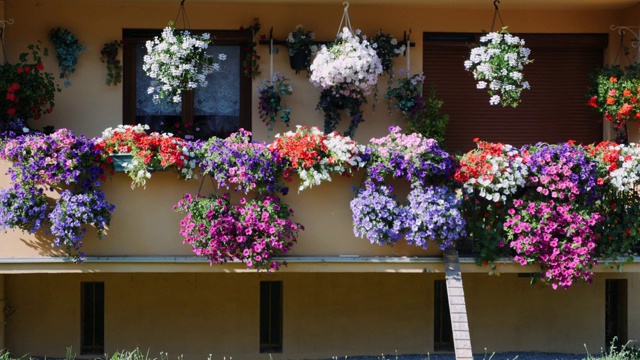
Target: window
<point>554,110</point>
<point>92,318</point>
<point>442,330</point>
<point>271,316</point>
<point>221,108</point>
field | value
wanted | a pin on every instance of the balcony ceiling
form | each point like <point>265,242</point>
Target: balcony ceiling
<point>504,4</point>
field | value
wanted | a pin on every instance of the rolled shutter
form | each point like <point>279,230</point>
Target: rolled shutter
<point>553,110</point>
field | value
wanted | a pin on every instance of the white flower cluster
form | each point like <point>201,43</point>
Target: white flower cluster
<point>177,62</point>
<point>503,175</point>
<point>497,65</point>
<point>109,132</point>
<point>626,178</point>
<point>350,62</point>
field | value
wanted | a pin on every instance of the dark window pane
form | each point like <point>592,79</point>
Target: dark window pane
<point>92,321</point>
<point>270,316</point>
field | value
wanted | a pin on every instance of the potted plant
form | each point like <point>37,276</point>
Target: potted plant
<point>109,55</point>
<point>497,64</point>
<point>271,104</point>
<point>28,91</point>
<point>347,71</point>
<point>177,61</point>
<point>130,149</point>
<point>387,48</point>
<point>67,49</point>
<point>614,93</point>
<point>301,45</point>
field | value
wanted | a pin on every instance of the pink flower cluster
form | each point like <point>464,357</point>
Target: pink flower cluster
<point>556,236</point>
<point>253,231</point>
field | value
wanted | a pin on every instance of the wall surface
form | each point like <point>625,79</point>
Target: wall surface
<point>325,315</point>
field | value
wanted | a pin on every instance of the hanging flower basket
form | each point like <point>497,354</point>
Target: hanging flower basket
<point>497,63</point>
<point>614,93</point>
<point>349,68</point>
<point>301,44</point>
<point>178,61</point>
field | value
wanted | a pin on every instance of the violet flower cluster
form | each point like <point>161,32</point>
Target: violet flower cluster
<point>431,212</point>
<point>49,162</point>
<point>237,160</point>
<point>72,213</point>
<point>411,156</point>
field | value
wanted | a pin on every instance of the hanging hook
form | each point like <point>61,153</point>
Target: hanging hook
<point>346,5</point>
<point>495,3</point>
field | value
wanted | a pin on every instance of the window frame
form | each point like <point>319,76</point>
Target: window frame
<point>134,37</point>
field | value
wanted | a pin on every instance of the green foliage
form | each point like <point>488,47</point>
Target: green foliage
<point>626,352</point>
<point>429,119</point>
<point>251,64</point>
<point>26,90</point>
<point>109,55</point>
<point>271,104</point>
<point>67,47</point>
<point>423,115</point>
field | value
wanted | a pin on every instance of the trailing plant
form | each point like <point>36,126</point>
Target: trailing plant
<point>387,48</point>
<point>109,55</point>
<point>60,161</point>
<point>67,48</point>
<point>250,64</point>
<point>28,91</point>
<point>271,104</point>
<point>337,99</point>
<point>497,64</point>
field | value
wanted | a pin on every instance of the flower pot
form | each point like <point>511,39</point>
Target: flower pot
<point>298,61</point>
<point>120,161</point>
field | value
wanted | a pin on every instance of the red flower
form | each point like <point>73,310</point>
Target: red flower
<point>11,111</point>
<point>40,67</point>
<point>27,68</point>
<point>11,97</point>
<point>593,102</point>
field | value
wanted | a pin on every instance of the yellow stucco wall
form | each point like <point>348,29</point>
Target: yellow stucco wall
<point>325,315</point>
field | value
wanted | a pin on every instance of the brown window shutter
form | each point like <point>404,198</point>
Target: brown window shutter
<point>554,110</point>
